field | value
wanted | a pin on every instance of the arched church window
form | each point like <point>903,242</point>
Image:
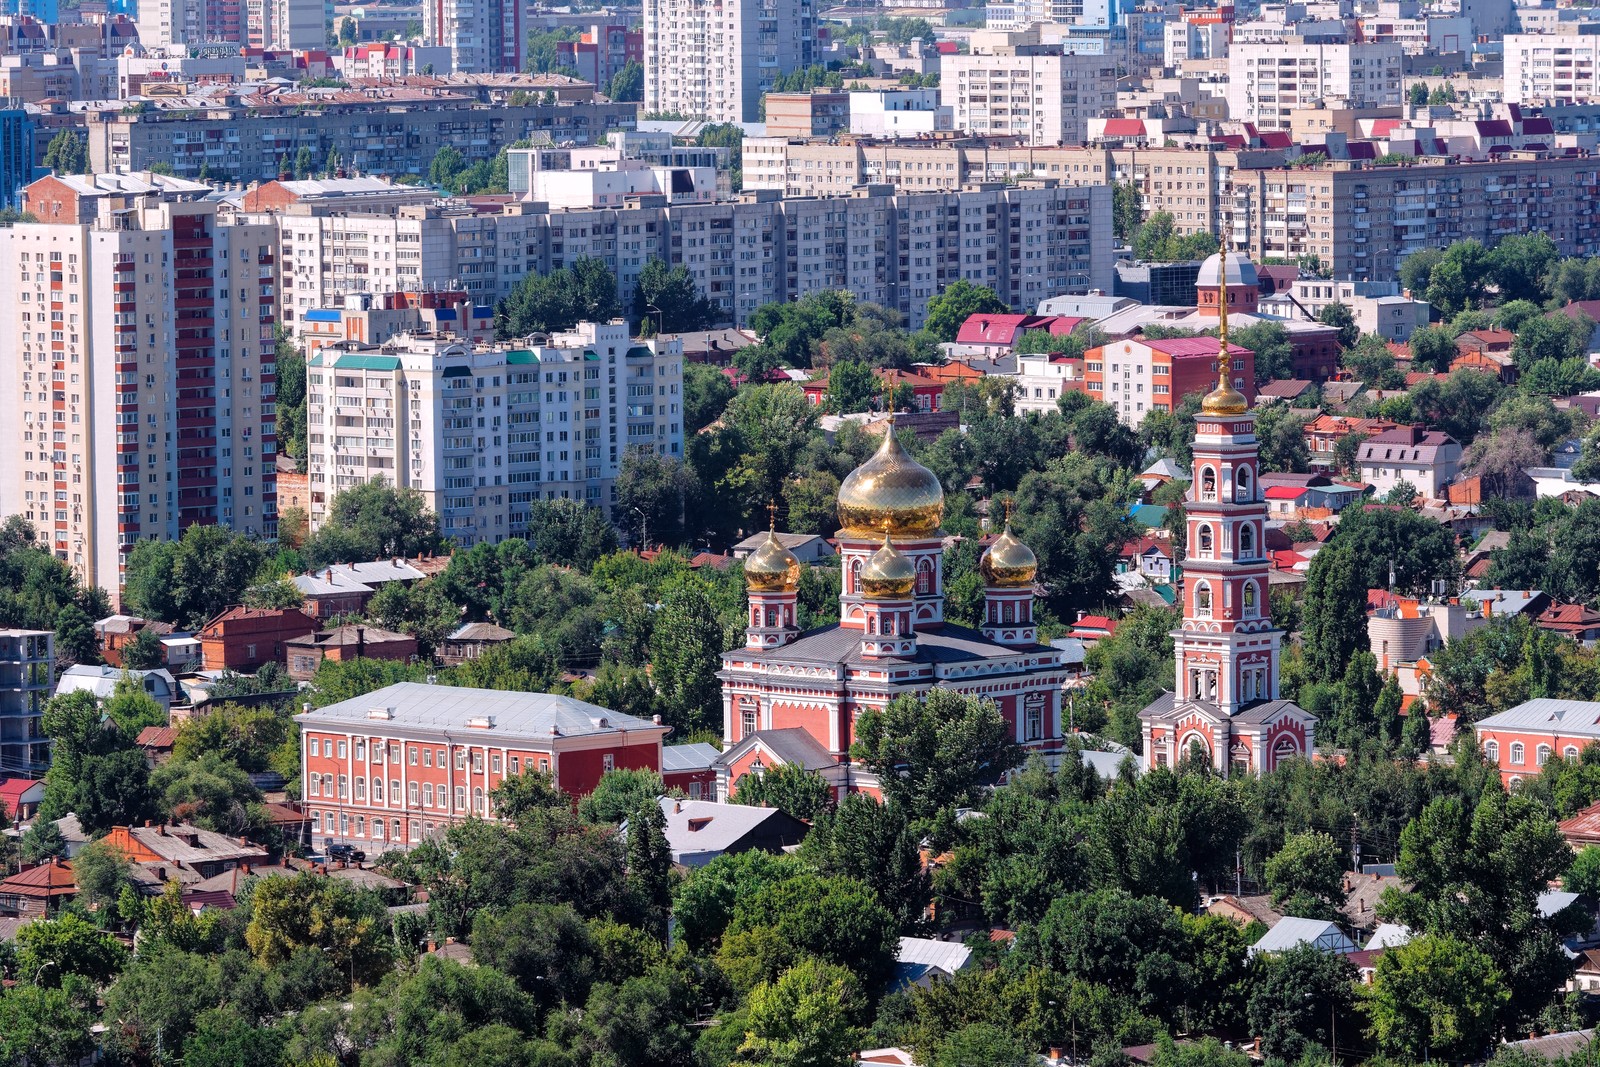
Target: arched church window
<point>1250,606</point>
<point>1247,541</point>
<point>1241,484</point>
<point>855,576</point>
<point>1286,748</point>
<point>1208,484</point>
<point>1202,600</point>
<point>924,577</point>
<point>1203,540</point>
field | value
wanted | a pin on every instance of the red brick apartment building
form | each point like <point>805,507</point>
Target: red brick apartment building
<point>394,767</point>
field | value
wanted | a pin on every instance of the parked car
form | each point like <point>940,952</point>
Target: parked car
<point>345,853</point>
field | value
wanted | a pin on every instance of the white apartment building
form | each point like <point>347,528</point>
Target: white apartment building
<point>483,430</point>
<point>1028,90</point>
<point>1561,68</point>
<point>614,183</point>
<point>483,36</point>
<point>1267,80</point>
<point>295,25</point>
<point>136,367</point>
<point>899,113</point>
<point>1043,379</point>
<point>715,60</point>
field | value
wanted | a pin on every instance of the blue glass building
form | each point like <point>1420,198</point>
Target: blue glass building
<point>16,155</point>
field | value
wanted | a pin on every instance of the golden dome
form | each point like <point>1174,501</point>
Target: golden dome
<point>889,574</point>
<point>1224,400</point>
<point>1008,562</point>
<point>891,490</point>
<point>771,568</point>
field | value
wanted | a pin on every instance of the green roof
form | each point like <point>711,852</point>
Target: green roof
<point>458,372</point>
<point>639,350</point>
<point>589,353</point>
<point>520,358</point>
<point>368,363</point>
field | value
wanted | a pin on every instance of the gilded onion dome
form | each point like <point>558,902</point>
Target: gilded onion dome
<point>1224,399</point>
<point>889,574</point>
<point>1008,562</point>
<point>891,491</point>
<point>771,568</point>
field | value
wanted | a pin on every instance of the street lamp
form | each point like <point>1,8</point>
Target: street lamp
<point>661,318</point>
<point>644,529</point>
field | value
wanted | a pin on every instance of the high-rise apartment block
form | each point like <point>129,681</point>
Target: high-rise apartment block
<point>484,36</point>
<point>715,60</point>
<point>27,676</point>
<point>1270,79</point>
<point>136,367</point>
<point>1027,89</point>
<point>1028,241</point>
<point>483,430</point>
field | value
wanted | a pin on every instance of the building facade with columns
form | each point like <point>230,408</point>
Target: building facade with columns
<point>1226,706</point>
<point>792,696</point>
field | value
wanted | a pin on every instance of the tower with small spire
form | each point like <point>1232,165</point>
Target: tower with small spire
<point>1225,702</point>
<point>772,580</point>
<point>888,601</point>
<point>1009,568</point>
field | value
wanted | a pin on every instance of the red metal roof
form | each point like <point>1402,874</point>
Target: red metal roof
<point>1285,492</point>
<point>1124,128</point>
<point>1193,346</point>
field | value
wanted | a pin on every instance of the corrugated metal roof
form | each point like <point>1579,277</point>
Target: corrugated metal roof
<point>351,362</point>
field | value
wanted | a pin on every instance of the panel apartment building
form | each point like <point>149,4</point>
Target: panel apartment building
<point>1363,221</point>
<point>1030,90</point>
<point>136,367</point>
<point>1027,241</point>
<point>390,131</point>
<point>1270,79</point>
<point>483,430</point>
<point>715,60</point>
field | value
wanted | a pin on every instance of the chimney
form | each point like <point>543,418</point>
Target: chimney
<point>162,829</point>
<point>433,946</point>
<point>147,824</point>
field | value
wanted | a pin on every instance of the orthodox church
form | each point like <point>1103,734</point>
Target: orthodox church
<point>793,697</point>
<point>1226,704</point>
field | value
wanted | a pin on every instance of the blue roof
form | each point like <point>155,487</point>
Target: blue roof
<point>324,315</point>
<point>445,314</point>
<point>483,311</point>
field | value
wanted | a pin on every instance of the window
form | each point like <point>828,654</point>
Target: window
<point>1250,607</point>
<point>494,763</point>
<point>314,784</point>
<point>361,788</point>
<point>1202,600</point>
<point>1247,541</point>
<point>377,790</point>
<point>427,758</point>
<point>427,794</point>
<point>411,754</point>
<point>1208,484</point>
<point>1518,754</point>
<point>1491,751</point>
<point>1203,540</point>
<point>608,763</point>
<point>477,800</point>
<point>341,750</point>
<point>1570,753</point>
<point>343,787</point>
<point>314,751</point>
<point>1542,755</point>
<point>694,790</point>
<point>477,763</point>
<point>461,798</point>
<point>1241,484</point>
<point>412,793</point>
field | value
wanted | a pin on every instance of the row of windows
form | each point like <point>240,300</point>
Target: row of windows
<point>1519,753</point>
<point>429,757</point>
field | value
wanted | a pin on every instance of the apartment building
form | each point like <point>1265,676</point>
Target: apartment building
<point>1030,90</point>
<point>378,131</point>
<point>137,364</point>
<point>1192,184</point>
<point>27,671</point>
<point>483,36</point>
<point>483,430</point>
<point>1137,377</point>
<point>1363,221</point>
<point>1559,68</point>
<point>1269,79</point>
<point>16,154</point>
<point>716,60</point>
<point>1028,241</point>
<point>376,318</point>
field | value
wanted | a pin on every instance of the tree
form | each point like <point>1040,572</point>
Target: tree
<point>649,860</point>
<point>1341,317</point>
<point>807,1018</point>
<point>52,949</point>
<point>935,753</point>
<point>101,872</point>
<point>959,302</point>
<point>788,787</point>
<point>1435,996</point>
<point>654,495</point>
<point>1584,874</point>
<point>325,914</point>
<point>547,948</point>
<point>1282,439</point>
<point>132,709</point>
<point>44,1027</point>
<point>1274,352</point>
<point>1553,337</point>
<point>1306,875</point>
<point>1127,210</point>
<point>66,154</point>
<point>876,844</point>
<point>1136,946</point>
<point>145,652</point>
<point>706,392</point>
<point>619,794</point>
<point>1298,999</point>
<point>627,84</point>
<point>833,919</point>
<point>1520,264</point>
<point>667,300</point>
<point>95,771</point>
<point>1433,348</point>
<point>569,533</point>
<point>686,646</point>
<point>544,303</point>
<point>211,791</point>
<point>191,580</point>
<point>446,165</point>
<point>374,520</point>
<point>1334,623</point>
<point>75,637</point>
<point>984,1045</point>
<point>852,387</point>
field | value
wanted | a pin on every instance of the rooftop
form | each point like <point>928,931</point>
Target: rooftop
<point>440,708</point>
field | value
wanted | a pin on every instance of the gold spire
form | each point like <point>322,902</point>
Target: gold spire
<point>1224,399</point>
